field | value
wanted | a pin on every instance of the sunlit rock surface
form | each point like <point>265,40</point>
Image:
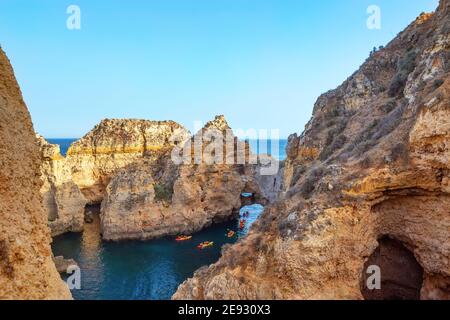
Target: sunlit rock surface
<point>373,163</point>
<point>26,267</point>
<point>114,144</point>
<point>63,201</point>
<point>148,200</point>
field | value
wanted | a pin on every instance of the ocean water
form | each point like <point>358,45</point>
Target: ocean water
<point>142,270</point>
<point>265,147</point>
<point>256,146</point>
<point>64,144</point>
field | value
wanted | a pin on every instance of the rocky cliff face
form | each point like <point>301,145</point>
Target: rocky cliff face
<point>63,201</point>
<point>127,166</point>
<point>26,267</point>
<point>372,167</point>
<point>148,200</point>
<point>114,144</point>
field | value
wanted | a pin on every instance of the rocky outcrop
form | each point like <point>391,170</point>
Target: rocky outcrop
<point>26,267</point>
<point>267,187</point>
<point>138,205</point>
<point>63,201</point>
<point>127,165</point>
<point>371,166</point>
<point>114,144</point>
<point>148,200</point>
<point>63,265</point>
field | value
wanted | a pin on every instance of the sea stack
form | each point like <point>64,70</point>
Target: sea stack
<point>63,201</point>
<point>149,200</point>
<point>114,144</point>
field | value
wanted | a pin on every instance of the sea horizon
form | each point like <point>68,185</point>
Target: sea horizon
<point>65,143</point>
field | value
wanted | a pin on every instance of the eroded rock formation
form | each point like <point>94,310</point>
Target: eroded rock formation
<point>372,164</point>
<point>26,267</point>
<point>114,144</point>
<point>148,200</point>
<point>63,201</point>
<point>127,166</point>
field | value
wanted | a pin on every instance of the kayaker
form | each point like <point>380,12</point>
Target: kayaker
<point>183,238</point>
<point>205,244</point>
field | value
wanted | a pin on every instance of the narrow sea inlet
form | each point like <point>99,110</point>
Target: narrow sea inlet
<point>143,269</point>
<point>147,269</point>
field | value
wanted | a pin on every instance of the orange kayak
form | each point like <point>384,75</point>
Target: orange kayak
<point>183,238</point>
<point>231,234</point>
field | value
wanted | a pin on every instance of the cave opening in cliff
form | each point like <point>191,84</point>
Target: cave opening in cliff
<point>401,276</point>
<point>91,212</point>
<point>248,198</point>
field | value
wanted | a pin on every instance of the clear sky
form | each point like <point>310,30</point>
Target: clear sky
<point>261,63</point>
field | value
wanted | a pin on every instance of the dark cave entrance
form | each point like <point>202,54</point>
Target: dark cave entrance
<point>91,212</point>
<point>401,274</point>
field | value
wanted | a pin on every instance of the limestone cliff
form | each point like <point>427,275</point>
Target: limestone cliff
<point>148,200</point>
<point>63,201</point>
<point>371,171</point>
<point>114,144</point>
<point>26,267</point>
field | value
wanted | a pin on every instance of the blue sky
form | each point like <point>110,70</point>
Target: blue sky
<point>262,63</point>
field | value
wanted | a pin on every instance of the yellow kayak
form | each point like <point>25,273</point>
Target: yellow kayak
<point>205,244</point>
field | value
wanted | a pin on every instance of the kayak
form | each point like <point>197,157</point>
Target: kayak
<point>205,244</point>
<point>183,238</point>
<point>231,234</point>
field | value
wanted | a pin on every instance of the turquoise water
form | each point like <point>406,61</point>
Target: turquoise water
<point>142,269</point>
<point>254,144</point>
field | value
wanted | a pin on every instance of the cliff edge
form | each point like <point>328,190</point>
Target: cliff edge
<point>26,267</point>
<point>366,184</point>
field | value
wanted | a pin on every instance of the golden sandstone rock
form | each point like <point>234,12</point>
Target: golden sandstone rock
<point>150,199</point>
<point>383,141</point>
<point>26,267</point>
<point>63,201</point>
<point>114,144</point>
<point>367,182</point>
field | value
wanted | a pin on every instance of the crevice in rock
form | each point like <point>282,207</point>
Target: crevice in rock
<point>52,205</point>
